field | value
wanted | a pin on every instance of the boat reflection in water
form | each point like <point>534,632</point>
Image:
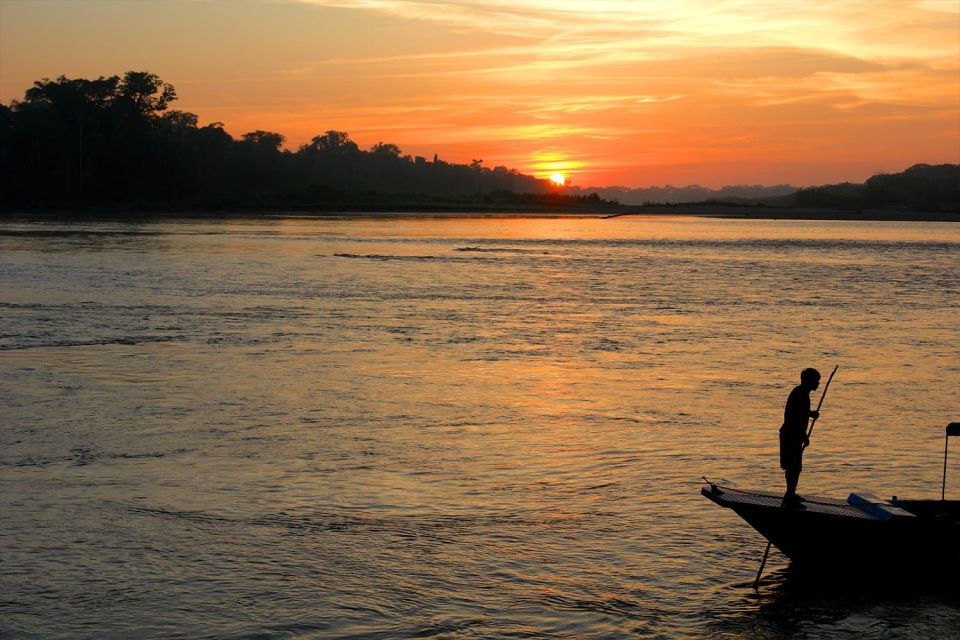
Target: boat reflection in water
<point>798,602</point>
<point>862,531</point>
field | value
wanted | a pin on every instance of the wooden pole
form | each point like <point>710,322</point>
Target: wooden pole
<point>822,396</point>
<point>946,443</point>
<point>763,563</point>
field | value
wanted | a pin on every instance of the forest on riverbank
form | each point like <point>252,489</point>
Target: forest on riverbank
<point>113,142</point>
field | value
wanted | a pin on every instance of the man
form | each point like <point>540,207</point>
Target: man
<point>793,433</point>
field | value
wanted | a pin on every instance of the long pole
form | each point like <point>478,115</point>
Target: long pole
<point>766,553</point>
<point>820,404</point>
<point>822,396</point>
<point>763,563</point>
<point>946,443</point>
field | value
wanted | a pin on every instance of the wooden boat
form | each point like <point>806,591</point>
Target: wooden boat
<point>861,530</point>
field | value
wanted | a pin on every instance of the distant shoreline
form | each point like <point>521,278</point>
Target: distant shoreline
<point>796,213</point>
<point>740,212</point>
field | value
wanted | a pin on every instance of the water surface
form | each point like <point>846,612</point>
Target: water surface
<point>454,428</point>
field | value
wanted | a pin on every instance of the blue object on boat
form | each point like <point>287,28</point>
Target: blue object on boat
<point>877,507</point>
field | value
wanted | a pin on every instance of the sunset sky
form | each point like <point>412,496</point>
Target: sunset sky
<point>607,92</point>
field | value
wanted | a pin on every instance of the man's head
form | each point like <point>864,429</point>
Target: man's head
<point>810,378</point>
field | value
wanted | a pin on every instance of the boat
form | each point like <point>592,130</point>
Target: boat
<point>860,530</point>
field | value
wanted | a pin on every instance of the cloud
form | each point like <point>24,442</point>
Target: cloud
<point>569,41</point>
<point>616,84</point>
<point>859,28</point>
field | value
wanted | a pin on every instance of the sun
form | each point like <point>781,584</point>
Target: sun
<point>558,179</point>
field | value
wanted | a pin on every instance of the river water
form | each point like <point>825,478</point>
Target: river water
<point>455,427</point>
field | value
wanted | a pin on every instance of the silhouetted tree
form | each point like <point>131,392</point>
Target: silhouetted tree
<point>385,149</point>
<point>333,143</point>
<point>264,139</point>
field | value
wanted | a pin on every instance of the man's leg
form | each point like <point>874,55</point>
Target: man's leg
<point>792,476</point>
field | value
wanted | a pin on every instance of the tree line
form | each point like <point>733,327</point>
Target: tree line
<point>115,141</point>
<point>923,187</point>
<point>689,193</point>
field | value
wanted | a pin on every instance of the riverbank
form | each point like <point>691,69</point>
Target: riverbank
<point>479,211</point>
<point>794,213</point>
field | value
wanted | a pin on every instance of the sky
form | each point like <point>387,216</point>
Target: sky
<point>606,92</point>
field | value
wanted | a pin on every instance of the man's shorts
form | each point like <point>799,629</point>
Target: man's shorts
<point>791,453</point>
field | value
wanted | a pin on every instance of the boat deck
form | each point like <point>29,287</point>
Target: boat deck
<point>735,498</point>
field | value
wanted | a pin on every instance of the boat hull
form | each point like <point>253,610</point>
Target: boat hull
<point>829,531</point>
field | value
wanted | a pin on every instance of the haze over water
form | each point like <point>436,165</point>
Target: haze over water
<point>454,428</point>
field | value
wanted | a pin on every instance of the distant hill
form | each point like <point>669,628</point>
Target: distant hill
<point>689,193</point>
<point>922,186</point>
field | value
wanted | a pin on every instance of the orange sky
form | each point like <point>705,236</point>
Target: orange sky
<point>628,92</point>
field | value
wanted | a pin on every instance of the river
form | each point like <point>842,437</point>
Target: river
<point>455,427</point>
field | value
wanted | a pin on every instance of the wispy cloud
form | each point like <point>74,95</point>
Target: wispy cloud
<point>628,41</point>
<point>591,103</point>
<point>871,28</point>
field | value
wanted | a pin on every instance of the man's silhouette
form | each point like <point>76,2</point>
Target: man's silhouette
<point>793,433</point>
